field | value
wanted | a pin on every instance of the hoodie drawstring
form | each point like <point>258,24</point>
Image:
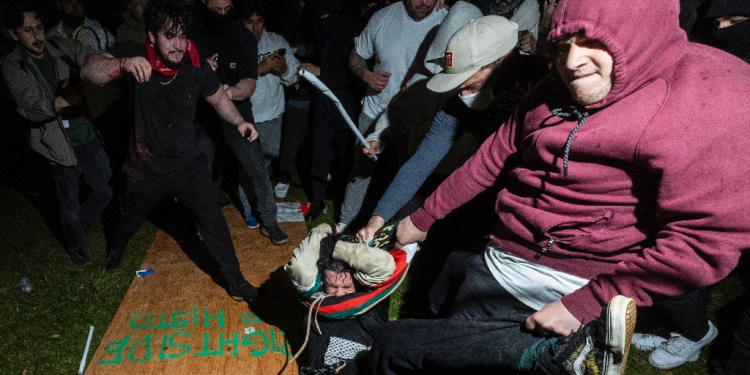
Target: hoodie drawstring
<point>582,116</point>
<point>319,302</point>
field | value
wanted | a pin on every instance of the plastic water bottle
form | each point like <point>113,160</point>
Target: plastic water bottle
<point>25,285</point>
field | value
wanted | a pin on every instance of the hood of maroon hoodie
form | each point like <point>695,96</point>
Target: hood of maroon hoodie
<point>643,36</point>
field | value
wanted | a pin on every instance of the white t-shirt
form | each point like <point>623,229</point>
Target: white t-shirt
<point>393,38</point>
<point>533,284</point>
<point>268,99</point>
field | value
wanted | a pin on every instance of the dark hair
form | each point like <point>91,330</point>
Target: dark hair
<point>246,8</point>
<point>160,12</point>
<point>334,265</point>
<point>13,13</point>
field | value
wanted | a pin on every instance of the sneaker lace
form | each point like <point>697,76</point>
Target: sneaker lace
<point>676,344</point>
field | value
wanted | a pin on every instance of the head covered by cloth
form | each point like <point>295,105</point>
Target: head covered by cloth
<point>473,47</point>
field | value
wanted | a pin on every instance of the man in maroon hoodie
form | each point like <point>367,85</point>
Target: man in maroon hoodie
<point>623,180</point>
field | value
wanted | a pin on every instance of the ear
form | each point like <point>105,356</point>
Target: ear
<point>152,37</point>
<point>13,35</point>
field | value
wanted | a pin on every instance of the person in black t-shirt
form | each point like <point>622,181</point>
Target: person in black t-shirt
<point>233,53</point>
<point>167,79</point>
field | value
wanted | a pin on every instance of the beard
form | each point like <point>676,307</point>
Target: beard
<point>585,96</point>
<point>173,59</point>
<point>419,13</point>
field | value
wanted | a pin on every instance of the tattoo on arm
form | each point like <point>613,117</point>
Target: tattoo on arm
<point>357,64</point>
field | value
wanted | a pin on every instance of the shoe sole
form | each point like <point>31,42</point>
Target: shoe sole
<point>621,316</point>
<point>264,232</point>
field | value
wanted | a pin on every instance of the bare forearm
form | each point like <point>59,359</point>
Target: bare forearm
<point>225,108</point>
<point>243,89</point>
<point>101,69</point>
<point>358,65</point>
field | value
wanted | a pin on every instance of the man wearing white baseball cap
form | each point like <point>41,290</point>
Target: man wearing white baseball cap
<point>473,60</point>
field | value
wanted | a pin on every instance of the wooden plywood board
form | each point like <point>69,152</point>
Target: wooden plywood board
<point>180,320</point>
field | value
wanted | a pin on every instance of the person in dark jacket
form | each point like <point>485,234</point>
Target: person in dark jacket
<point>334,32</point>
<point>42,76</point>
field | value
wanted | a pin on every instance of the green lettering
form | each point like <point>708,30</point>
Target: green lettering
<point>147,356</point>
<point>247,342</point>
<point>272,335</point>
<point>195,316</point>
<point>186,346</point>
<point>139,326</point>
<point>162,324</point>
<point>179,323</point>
<point>119,346</point>
<point>234,341</point>
<point>206,317</point>
<point>250,318</point>
<point>206,350</point>
<point>162,352</point>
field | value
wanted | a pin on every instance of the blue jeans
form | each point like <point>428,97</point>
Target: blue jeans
<point>254,174</point>
<point>269,133</point>
<point>93,165</point>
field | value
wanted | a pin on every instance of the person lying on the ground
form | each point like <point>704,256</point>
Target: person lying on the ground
<point>621,190</point>
<point>330,267</point>
<point>369,266</point>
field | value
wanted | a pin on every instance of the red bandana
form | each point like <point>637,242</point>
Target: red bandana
<point>158,66</point>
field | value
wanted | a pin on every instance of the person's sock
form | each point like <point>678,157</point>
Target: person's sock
<point>531,356</point>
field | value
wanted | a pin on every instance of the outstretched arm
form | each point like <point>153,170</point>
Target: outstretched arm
<point>101,69</point>
<point>226,109</point>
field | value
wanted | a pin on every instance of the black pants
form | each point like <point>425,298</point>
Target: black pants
<point>688,314</point>
<point>330,141</point>
<point>192,185</point>
<point>93,165</point>
<point>482,335</point>
<point>296,121</point>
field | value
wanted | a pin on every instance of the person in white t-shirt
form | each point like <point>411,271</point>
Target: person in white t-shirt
<point>392,37</point>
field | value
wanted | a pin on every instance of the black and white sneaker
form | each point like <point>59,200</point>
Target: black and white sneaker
<point>602,346</point>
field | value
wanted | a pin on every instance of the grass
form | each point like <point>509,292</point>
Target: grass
<point>44,331</point>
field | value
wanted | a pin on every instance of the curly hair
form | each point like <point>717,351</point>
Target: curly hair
<point>168,16</point>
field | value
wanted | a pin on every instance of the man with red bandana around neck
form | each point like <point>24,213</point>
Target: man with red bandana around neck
<point>623,188</point>
<point>167,78</point>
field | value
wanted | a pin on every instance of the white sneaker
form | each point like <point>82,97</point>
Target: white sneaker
<point>280,190</point>
<point>678,350</point>
<point>647,342</point>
